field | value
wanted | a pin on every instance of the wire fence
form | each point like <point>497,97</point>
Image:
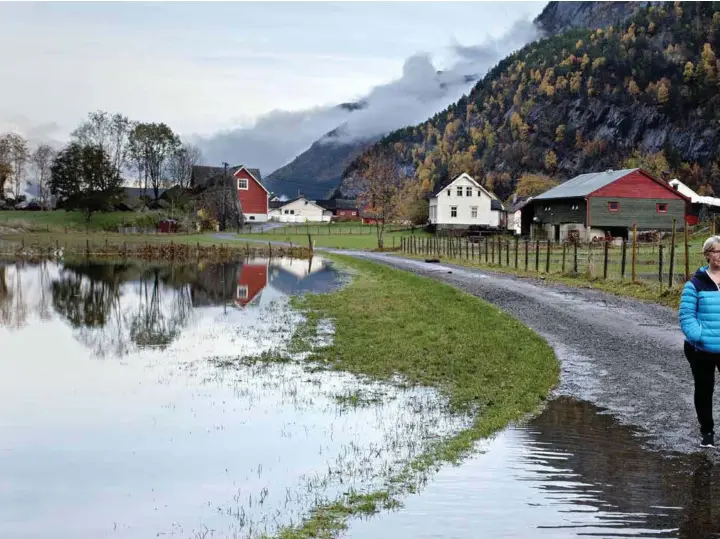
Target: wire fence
<point>664,263</point>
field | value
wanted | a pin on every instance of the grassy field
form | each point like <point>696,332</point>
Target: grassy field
<point>338,238</point>
<point>60,221</point>
<point>388,323</point>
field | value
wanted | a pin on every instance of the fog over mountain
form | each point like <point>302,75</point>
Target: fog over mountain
<point>421,91</point>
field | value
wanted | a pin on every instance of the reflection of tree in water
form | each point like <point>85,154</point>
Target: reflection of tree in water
<point>13,309</point>
<point>616,468</point>
<point>150,326</point>
<point>93,299</point>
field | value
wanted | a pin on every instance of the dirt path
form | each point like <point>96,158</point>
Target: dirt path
<point>618,353</point>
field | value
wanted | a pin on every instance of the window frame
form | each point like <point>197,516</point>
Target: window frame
<point>473,212</point>
<point>610,207</point>
<point>657,207</point>
<point>247,184</point>
<point>244,289</point>
<point>453,209</point>
<point>468,191</point>
<point>459,190</point>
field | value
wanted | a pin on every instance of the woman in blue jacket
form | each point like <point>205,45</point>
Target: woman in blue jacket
<point>700,322</point>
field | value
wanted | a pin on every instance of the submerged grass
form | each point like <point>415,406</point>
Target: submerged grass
<point>388,323</point>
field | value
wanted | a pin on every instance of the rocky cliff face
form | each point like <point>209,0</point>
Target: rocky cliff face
<point>558,17</point>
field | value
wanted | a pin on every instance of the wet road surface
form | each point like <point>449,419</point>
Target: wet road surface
<point>617,353</point>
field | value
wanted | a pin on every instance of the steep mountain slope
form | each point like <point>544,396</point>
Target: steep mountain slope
<point>586,99</point>
<point>317,171</point>
<point>559,17</point>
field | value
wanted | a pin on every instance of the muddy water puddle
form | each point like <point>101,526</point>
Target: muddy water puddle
<point>571,472</point>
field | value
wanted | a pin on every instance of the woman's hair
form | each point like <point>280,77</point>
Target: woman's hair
<point>711,242</point>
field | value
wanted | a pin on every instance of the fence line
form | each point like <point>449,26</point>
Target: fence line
<point>648,261</point>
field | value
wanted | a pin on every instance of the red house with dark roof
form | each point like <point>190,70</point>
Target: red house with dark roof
<point>251,279</point>
<point>599,205</point>
<point>254,197</point>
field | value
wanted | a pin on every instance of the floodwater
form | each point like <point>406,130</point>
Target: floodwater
<point>129,408</point>
<point>118,420</point>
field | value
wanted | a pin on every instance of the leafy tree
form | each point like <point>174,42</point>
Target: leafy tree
<point>151,145</point>
<point>108,132</point>
<point>530,185</point>
<point>84,178</point>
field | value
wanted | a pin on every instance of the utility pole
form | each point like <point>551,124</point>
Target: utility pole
<point>223,210</point>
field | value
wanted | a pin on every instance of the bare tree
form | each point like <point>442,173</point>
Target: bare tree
<point>110,133</point>
<point>180,164</point>
<point>379,183</point>
<point>13,155</point>
<point>42,160</point>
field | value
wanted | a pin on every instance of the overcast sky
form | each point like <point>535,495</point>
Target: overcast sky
<point>205,68</point>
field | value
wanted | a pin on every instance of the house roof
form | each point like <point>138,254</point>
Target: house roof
<point>286,202</point>
<point>201,173</point>
<point>519,204</point>
<point>137,192</point>
<point>692,195</point>
<point>338,204</point>
<point>584,184</point>
<point>477,184</point>
<point>274,204</point>
<point>496,205</point>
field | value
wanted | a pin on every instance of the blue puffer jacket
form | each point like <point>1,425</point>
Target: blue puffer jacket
<point>700,312</point>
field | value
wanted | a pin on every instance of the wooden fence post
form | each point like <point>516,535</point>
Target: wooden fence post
<point>547,258</point>
<point>605,261</point>
<point>526,254</point>
<point>672,255</point>
<point>660,264</point>
<point>517,241</point>
<point>634,252</point>
<point>492,258</point>
<point>563,257</point>
<point>537,255</point>
<point>507,253</point>
<point>486,249</point>
<point>499,250</point>
<point>623,260</point>
<point>575,265</point>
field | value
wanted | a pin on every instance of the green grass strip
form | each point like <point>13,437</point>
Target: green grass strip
<point>390,322</point>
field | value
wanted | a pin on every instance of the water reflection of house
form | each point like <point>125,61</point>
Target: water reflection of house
<point>252,277</point>
<point>291,276</point>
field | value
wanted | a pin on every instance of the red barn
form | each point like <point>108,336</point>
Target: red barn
<point>607,204</point>
<point>369,217</point>
<point>251,279</point>
<point>254,197</point>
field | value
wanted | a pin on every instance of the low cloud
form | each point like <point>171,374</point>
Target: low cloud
<point>420,92</point>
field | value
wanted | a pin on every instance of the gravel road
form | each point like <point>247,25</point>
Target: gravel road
<point>618,353</point>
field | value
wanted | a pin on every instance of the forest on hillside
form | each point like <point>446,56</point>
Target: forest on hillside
<point>644,94</point>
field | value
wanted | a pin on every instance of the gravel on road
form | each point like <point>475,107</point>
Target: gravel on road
<point>621,354</point>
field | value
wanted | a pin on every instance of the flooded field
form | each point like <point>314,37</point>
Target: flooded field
<point>129,408</point>
<point>117,420</point>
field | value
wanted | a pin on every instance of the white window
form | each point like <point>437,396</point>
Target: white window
<point>468,191</point>
<point>242,183</point>
<point>242,292</point>
<point>354,213</point>
<point>448,192</point>
<point>292,212</point>
<point>473,212</point>
<point>453,211</point>
<point>287,211</point>
<point>252,217</point>
<point>459,191</point>
<point>479,193</point>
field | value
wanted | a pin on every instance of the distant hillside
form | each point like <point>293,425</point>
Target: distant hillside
<point>317,172</point>
<point>586,99</point>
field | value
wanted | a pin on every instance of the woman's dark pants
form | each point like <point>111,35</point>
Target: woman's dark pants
<point>703,365</point>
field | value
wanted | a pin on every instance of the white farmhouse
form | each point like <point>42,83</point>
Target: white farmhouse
<point>463,203</point>
<point>300,210</point>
